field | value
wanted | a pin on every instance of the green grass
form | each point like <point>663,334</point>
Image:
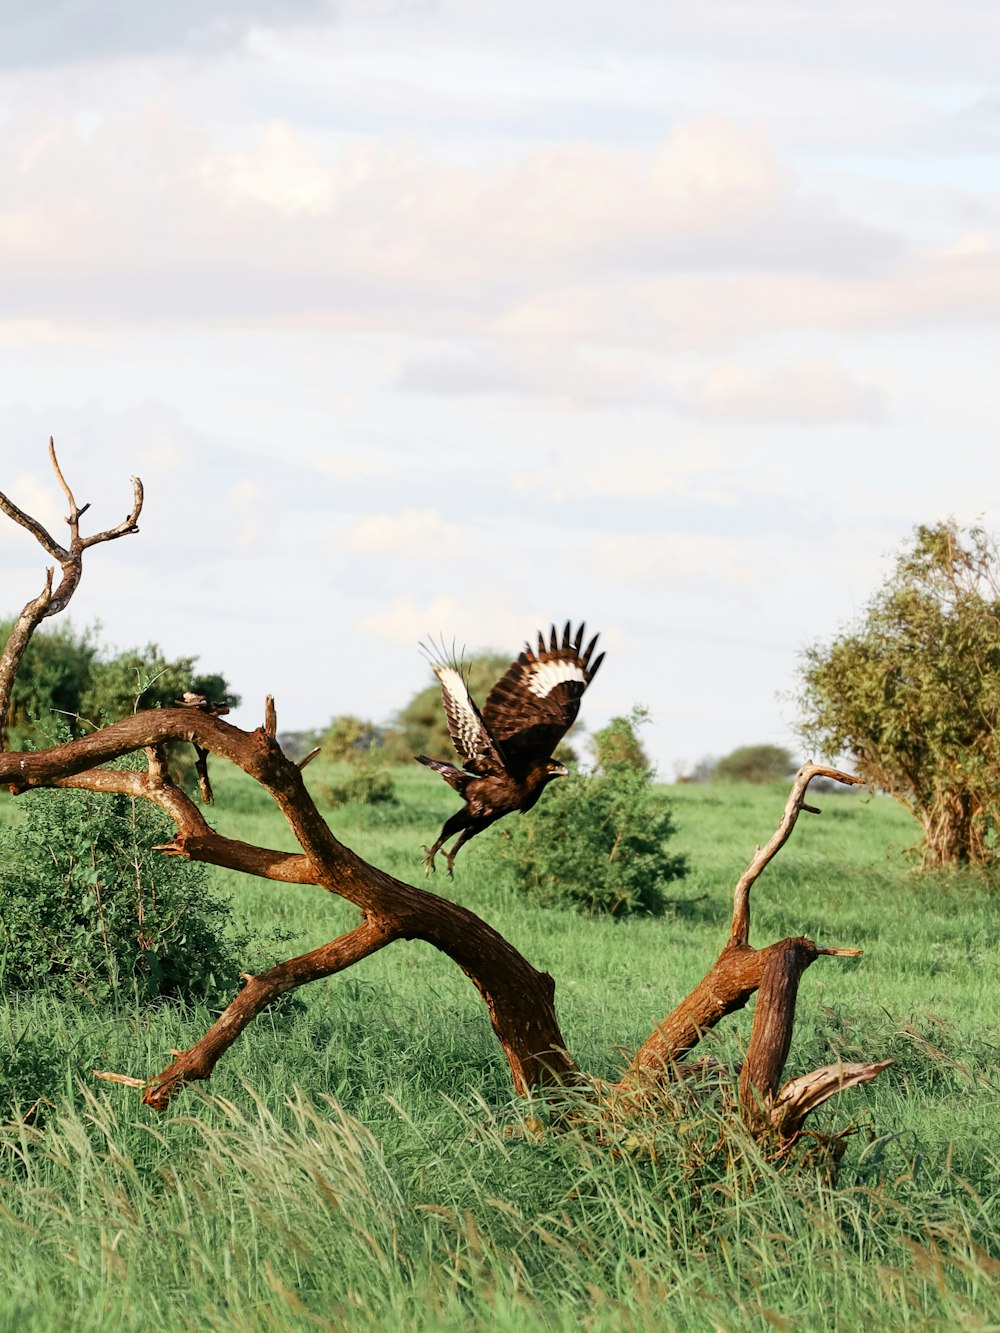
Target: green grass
<point>359,1160</point>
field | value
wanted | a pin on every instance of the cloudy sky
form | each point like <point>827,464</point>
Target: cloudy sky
<point>457,316</point>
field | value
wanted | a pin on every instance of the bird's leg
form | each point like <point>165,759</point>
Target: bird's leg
<point>457,821</point>
<point>465,835</point>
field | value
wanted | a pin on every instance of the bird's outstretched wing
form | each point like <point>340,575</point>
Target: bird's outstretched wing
<point>476,747</point>
<point>534,703</point>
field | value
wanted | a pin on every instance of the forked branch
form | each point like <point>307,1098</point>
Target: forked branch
<point>51,600</point>
<point>740,932</point>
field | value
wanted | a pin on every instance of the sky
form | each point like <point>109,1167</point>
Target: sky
<point>457,317</point>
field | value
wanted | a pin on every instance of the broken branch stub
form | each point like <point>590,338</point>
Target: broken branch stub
<point>519,999</point>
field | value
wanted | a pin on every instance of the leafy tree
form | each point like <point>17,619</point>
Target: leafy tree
<point>54,673</point>
<point>912,692</point>
<point>618,743</point>
<point>598,842</point>
<point>755,763</point>
<point>347,736</point>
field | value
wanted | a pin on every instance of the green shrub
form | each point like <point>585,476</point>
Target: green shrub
<point>596,843</point>
<point>619,743</point>
<point>369,782</point>
<point>88,908</point>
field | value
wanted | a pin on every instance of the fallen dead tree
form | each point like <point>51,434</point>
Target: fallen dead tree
<point>520,1000</point>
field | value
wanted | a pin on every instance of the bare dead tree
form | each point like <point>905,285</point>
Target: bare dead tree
<point>519,999</point>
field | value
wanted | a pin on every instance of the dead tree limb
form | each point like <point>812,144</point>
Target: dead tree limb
<point>773,973</point>
<point>519,999</point>
<point>52,599</point>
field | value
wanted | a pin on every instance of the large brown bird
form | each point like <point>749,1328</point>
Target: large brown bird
<point>507,748</point>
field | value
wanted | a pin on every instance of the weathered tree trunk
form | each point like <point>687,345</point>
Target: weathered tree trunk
<point>519,999</point>
<point>954,832</point>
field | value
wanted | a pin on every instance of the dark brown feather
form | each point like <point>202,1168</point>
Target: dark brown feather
<point>535,702</point>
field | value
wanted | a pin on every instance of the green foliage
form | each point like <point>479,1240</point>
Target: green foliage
<point>87,908</point>
<point>755,763</point>
<point>912,693</point>
<point>144,678</point>
<point>369,782</point>
<point>69,674</point>
<point>597,843</point>
<point>52,679</point>
<point>618,743</point>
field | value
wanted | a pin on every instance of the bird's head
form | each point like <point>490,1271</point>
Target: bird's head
<point>554,770</point>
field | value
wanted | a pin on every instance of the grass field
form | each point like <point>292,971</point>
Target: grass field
<point>359,1159</point>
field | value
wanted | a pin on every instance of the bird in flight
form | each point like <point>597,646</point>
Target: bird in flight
<point>506,750</point>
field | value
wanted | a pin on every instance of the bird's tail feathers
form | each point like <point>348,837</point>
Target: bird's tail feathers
<point>455,777</point>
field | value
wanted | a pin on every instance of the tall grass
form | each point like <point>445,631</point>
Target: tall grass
<point>360,1162</point>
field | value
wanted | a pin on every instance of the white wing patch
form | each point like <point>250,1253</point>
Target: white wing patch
<point>454,686</point>
<point>472,741</point>
<point>545,676</point>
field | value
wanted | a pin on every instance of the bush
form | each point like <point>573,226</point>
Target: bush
<point>368,783</point>
<point>88,908</point>
<point>348,737</point>
<point>597,843</point>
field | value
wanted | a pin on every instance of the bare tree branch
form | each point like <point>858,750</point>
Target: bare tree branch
<point>740,931</point>
<point>518,998</point>
<point>802,1095</point>
<point>49,603</point>
<point>257,994</point>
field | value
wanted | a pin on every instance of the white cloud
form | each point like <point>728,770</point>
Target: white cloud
<point>489,621</point>
<point>150,218</point>
<point>348,466</point>
<point>814,391</point>
<point>40,498</point>
<point>245,498</point>
<point>697,310</point>
<point>694,469</point>
<point>677,559</point>
<point>412,534</point>
<point>557,378</point>
<point>281,171</point>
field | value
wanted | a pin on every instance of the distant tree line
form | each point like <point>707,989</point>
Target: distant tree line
<point>747,763</point>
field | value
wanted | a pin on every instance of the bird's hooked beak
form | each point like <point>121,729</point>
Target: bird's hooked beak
<point>558,770</point>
